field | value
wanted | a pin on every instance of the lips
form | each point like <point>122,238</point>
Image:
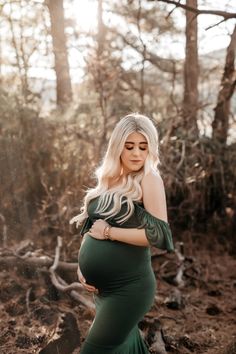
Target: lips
<point>136,161</point>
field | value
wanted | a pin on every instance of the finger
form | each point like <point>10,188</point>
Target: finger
<point>82,280</point>
<point>87,286</point>
<point>91,290</point>
<point>79,273</point>
<point>90,287</point>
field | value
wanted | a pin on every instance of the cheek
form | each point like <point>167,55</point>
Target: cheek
<point>124,156</point>
<point>145,155</point>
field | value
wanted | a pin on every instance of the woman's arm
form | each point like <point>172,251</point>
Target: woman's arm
<point>154,202</point>
<point>154,197</point>
<point>135,237</point>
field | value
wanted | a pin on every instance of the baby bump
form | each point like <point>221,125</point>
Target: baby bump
<point>105,263</point>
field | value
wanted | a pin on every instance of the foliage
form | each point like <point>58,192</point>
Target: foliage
<point>46,160</point>
<point>47,163</point>
<point>40,160</point>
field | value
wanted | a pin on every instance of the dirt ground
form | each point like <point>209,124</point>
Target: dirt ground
<point>198,316</point>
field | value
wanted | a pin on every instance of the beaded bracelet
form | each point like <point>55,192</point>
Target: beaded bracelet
<point>106,233</point>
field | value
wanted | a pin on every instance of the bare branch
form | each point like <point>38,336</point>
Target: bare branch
<point>216,24</point>
<point>56,280</point>
<point>60,283</point>
<point>225,14</point>
<point>35,262</point>
<point>57,255</point>
<point>166,65</point>
<point>27,259</point>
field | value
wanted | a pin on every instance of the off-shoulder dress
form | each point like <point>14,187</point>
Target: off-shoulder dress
<point>124,277</point>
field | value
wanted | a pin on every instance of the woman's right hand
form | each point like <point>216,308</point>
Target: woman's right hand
<point>82,280</point>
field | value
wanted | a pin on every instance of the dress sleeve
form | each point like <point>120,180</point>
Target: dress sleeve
<point>157,231</point>
<point>86,226</point>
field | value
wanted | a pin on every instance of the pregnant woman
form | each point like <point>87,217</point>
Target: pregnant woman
<point>122,216</point>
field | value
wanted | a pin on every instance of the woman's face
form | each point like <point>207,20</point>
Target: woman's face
<point>134,153</point>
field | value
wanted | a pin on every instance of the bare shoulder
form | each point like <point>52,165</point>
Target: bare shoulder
<point>152,180</point>
<point>154,198</point>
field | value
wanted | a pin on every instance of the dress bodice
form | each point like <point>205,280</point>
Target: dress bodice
<point>157,231</point>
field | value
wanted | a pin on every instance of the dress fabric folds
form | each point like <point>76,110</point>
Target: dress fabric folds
<point>123,275</point>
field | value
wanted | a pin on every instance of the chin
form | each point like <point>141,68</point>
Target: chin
<point>136,169</point>
<point>133,169</point>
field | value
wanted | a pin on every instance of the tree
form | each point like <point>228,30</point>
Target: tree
<point>101,29</point>
<point>219,192</point>
<point>220,123</point>
<point>64,89</point>
<point>191,72</point>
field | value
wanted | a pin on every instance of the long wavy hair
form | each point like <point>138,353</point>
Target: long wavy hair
<point>129,188</point>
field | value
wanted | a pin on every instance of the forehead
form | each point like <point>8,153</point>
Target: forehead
<point>136,137</point>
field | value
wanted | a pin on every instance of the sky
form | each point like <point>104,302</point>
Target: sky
<point>84,14</point>
<point>209,39</point>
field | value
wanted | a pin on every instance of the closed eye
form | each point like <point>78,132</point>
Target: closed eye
<point>131,148</point>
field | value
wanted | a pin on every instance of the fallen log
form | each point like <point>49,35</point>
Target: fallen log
<point>30,260</point>
<point>36,262</point>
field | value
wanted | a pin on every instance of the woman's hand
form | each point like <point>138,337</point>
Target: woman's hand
<point>97,229</point>
<point>82,280</point>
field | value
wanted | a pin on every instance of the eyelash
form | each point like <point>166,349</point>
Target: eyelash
<point>131,148</point>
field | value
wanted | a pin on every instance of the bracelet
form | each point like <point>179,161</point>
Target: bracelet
<point>106,233</point>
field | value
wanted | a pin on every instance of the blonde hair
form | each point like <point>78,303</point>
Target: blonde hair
<point>129,189</point>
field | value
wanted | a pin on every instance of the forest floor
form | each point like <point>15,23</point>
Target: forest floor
<point>198,316</point>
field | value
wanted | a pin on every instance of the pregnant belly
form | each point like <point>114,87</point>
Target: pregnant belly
<point>107,264</point>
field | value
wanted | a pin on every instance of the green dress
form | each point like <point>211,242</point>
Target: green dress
<point>124,277</point>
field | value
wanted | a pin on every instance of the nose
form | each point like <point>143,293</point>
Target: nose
<point>136,151</point>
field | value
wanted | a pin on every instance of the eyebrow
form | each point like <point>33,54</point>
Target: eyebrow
<point>131,142</point>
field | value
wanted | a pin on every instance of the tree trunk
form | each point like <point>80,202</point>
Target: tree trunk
<point>101,72</point>
<point>220,123</point>
<point>101,29</point>
<point>220,126</point>
<point>64,90</point>
<point>21,61</point>
<point>191,72</point>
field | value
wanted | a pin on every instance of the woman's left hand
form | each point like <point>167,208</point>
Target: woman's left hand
<point>97,229</point>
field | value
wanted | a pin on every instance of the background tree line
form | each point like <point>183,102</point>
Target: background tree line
<point>46,158</point>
